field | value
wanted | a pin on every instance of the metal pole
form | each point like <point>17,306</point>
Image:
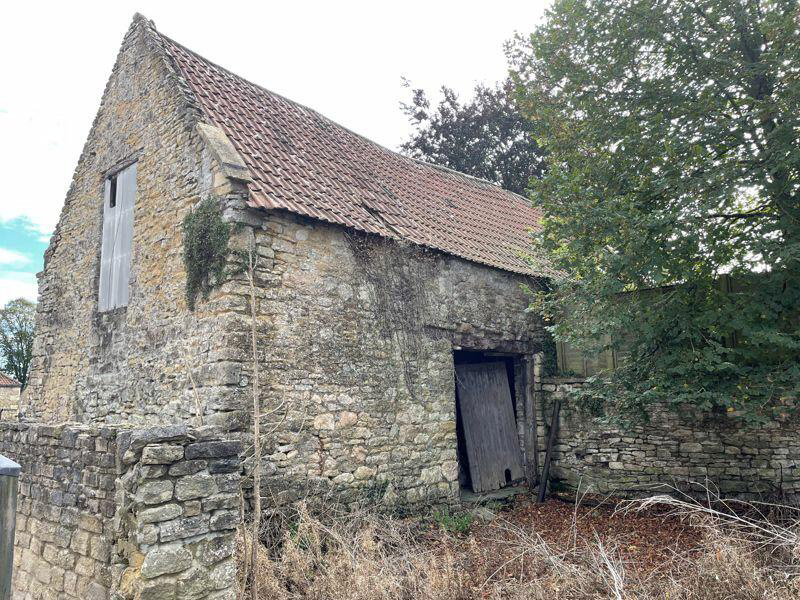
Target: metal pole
<point>9,476</point>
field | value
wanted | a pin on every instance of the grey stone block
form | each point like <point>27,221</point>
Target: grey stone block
<point>195,486</point>
<point>155,492</point>
<point>160,589</point>
<point>225,519</point>
<point>225,465</point>
<point>167,560</point>
<point>161,454</point>
<point>220,449</point>
<point>187,467</point>
<point>214,549</point>
<point>183,528</point>
<point>155,435</point>
<point>166,512</point>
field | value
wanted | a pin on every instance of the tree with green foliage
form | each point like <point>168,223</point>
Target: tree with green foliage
<point>672,135</point>
<point>17,319</point>
<point>485,137</point>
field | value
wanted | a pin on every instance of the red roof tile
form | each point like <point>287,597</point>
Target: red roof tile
<point>6,381</point>
<point>305,163</point>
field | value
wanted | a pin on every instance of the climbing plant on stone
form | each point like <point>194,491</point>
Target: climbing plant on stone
<point>205,249</point>
<point>397,287</point>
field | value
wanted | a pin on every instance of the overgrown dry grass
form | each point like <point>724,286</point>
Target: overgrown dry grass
<point>748,553</point>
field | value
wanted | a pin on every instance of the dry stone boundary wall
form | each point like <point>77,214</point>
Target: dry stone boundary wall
<point>671,452</point>
<point>114,512</point>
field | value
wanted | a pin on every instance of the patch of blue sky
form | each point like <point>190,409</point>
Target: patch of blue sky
<point>22,249</point>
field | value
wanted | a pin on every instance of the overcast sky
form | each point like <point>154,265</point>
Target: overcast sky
<point>345,59</point>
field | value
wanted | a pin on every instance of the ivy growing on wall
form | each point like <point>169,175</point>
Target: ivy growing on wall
<point>205,248</point>
<point>397,274</point>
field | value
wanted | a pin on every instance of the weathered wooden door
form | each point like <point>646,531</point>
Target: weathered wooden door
<point>490,432</point>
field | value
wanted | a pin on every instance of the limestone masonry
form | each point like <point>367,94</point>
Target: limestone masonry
<point>124,513</point>
<point>673,452</point>
<point>356,331</point>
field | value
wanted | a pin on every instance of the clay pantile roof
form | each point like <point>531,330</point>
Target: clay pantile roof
<point>6,381</point>
<point>304,163</point>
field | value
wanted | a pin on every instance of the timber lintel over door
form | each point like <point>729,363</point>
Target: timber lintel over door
<point>490,431</point>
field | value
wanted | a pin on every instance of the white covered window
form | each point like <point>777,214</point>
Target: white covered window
<point>115,253</point>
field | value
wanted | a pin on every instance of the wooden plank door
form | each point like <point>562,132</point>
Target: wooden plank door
<point>490,432</point>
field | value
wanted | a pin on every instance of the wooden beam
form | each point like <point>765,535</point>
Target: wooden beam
<point>549,454</point>
<point>529,382</point>
<point>538,365</point>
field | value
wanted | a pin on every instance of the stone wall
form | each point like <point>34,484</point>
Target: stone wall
<point>9,401</point>
<point>356,340</point>
<point>672,451</point>
<point>129,364</point>
<point>65,509</point>
<point>110,512</point>
<point>178,497</point>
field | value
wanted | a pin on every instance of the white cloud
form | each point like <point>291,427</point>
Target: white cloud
<point>12,257</point>
<point>17,284</point>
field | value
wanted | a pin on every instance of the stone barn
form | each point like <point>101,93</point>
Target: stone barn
<point>377,280</point>
<point>393,351</point>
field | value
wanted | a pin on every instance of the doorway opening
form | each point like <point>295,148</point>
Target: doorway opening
<point>489,454</point>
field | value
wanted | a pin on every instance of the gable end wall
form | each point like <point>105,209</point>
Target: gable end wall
<point>129,364</point>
